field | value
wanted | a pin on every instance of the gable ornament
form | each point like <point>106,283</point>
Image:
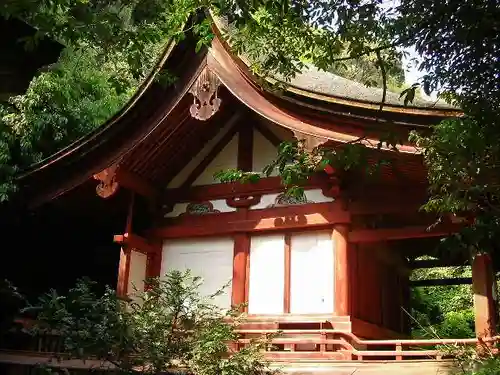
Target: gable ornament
<point>205,100</point>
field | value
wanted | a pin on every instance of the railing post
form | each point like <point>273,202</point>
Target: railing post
<point>484,304</point>
<point>399,348</point>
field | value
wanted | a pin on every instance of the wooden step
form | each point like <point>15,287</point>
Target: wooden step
<point>299,355</point>
<point>296,328</point>
<point>295,318</point>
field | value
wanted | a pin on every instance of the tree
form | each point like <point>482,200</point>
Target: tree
<point>170,325</point>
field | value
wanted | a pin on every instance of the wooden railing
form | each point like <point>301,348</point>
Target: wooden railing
<point>287,345</point>
<point>340,345</point>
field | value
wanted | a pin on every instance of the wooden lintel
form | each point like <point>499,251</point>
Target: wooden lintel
<point>136,242</point>
<point>419,231</point>
<point>432,263</point>
<point>313,215</point>
<point>441,282</point>
<point>267,185</point>
<point>136,183</point>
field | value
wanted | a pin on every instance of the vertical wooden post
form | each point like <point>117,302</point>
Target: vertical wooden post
<point>123,272</point>
<point>153,266</point>
<point>124,264</point>
<point>240,259</point>
<point>342,287</point>
<point>484,304</point>
<point>288,270</point>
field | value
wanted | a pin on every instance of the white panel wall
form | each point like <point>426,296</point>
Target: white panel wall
<point>267,274</point>
<point>316,196</point>
<point>263,153</point>
<point>210,258</point>
<point>226,159</point>
<point>137,272</point>
<point>312,273</point>
<point>178,180</point>
<point>218,204</point>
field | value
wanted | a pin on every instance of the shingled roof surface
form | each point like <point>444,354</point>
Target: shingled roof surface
<point>320,82</point>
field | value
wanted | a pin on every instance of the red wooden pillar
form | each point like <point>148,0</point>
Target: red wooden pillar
<point>484,303</point>
<point>153,266</point>
<point>123,272</point>
<point>125,256</point>
<point>342,287</point>
<point>240,261</point>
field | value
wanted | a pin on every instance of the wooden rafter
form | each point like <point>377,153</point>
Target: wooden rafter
<point>245,146</point>
<point>440,282</point>
<point>418,231</point>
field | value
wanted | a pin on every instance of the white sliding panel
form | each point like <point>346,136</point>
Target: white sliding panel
<point>137,272</point>
<point>209,258</point>
<point>267,274</point>
<point>312,273</point>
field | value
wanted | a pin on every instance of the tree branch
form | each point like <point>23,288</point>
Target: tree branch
<point>383,72</point>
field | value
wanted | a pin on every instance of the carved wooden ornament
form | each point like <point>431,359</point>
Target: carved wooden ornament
<point>205,99</point>
<point>107,182</point>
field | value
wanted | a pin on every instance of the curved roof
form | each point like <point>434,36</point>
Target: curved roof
<point>318,81</point>
<point>155,128</point>
<point>329,87</point>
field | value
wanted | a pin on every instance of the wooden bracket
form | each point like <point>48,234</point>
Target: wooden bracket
<point>108,185</point>
<point>111,178</point>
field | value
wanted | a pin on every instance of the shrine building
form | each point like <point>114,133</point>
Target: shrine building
<point>331,268</point>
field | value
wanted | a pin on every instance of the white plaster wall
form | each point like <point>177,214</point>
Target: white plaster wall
<point>265,201</point>
<point>178,180</point>
<point>263,152</point>
<point>218,204</point>
<point>316,196</point>
<point>312,273</point>
<point>313,195</point>
<point>209,258</point>
<point>137,272</point>
<point>267,274</point>
<point>226,159</point>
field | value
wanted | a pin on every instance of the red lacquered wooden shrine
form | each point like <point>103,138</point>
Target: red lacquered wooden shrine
<point>331,271</point>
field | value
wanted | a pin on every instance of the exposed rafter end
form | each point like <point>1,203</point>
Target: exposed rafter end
<point>111,178</point>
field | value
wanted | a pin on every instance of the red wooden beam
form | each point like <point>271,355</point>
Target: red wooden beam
<point>136,242</point>
<point>134,182</point>
<point>421,231</point>
<point>304,216</point>
<point>267,185</point>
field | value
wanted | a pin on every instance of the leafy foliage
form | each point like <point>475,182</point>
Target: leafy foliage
<point>442,311</point>
<point>168,326</point>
